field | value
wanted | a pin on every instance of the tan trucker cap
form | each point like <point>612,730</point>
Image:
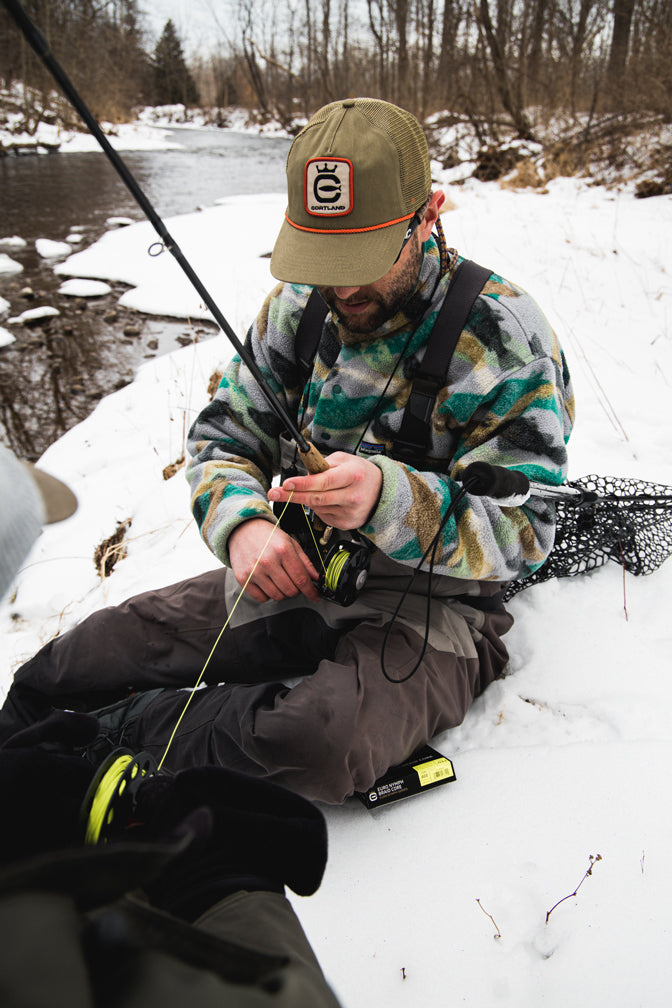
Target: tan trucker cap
<point>356,174</point>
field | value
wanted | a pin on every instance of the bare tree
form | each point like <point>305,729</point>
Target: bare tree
<point>399,9</point>
<point>618,53</point>
<point>247,14</point>
<point>378,23</point>
<point>501,68</point>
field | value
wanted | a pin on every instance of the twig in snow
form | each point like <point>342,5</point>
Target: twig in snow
<point>498,932</point>
<point>594,858</point>
<point>625,603</point>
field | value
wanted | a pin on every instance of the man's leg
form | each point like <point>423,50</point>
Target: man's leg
<point>161,639</point>
<point>340,728</point>
<point>266,922</point>
<point>153,639</point>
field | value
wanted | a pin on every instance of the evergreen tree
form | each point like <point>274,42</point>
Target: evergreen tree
<point>173,83</point>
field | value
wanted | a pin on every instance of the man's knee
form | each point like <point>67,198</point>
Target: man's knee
<point>322,755</point>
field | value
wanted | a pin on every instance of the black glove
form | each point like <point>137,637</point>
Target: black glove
<point>59,731</point>
<point>41,794</point>
<point>262,837</point>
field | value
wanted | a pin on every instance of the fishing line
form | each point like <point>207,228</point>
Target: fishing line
<point>111,792</point>
<point>335,569</point>
<point>431,548</point>
<point>219,637</point>
<point>312,536</point>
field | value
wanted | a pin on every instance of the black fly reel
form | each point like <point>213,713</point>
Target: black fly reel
<point>344,570</point>
<point>342,558</point>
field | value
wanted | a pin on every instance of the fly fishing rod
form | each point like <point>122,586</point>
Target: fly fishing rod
<point>313,460</point>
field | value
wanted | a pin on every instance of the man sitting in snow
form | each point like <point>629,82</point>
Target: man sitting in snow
<point>382,676</point>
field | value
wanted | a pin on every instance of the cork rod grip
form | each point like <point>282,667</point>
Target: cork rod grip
<point>313,461</point>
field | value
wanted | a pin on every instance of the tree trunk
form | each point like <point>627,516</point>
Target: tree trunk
<point>503,83</point>
<point>400,11</point>
<point>620,40</point>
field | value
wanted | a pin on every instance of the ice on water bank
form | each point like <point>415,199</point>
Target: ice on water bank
<point>33,315</point>
<point>8,265</point>
<point>52,249</point>
<point>84,288</point>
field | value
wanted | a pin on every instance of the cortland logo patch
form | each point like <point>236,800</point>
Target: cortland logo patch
<point>328,187</point>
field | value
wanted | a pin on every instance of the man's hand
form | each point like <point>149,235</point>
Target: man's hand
<point>282,568</point>
<point>343,497</point>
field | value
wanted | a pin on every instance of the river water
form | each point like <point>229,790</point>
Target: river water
<point>58,368</point>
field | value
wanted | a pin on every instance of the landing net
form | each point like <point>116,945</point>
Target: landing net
<point>611,518</point>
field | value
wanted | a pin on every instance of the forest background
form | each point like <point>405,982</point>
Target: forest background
<point>585,79</point>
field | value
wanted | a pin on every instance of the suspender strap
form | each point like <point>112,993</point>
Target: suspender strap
<point>410,446</point>
<point>309,331</point>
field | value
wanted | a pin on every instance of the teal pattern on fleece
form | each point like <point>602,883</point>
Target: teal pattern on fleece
<point>508,401</point>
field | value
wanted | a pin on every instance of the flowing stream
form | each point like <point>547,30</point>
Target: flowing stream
<point>58,368</point>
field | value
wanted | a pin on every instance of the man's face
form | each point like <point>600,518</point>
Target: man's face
<point>364,309</point>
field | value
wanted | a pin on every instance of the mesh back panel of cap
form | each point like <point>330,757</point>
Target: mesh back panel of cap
<point>411,146</point>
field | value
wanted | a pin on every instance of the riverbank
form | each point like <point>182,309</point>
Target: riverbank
<point>28,127</point>
<point>73,348</point>
<point>628,150</point>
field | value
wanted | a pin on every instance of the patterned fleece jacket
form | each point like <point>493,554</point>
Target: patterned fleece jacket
<point>507,401</point>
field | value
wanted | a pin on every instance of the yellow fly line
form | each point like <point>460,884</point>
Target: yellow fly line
<point>219,637</point>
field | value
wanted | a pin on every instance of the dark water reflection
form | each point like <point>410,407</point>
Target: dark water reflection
<point>57,369</point>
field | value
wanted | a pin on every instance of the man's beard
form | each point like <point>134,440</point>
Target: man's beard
<point>384,305</point>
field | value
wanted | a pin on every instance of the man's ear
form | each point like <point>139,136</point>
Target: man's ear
<point>436,201</point>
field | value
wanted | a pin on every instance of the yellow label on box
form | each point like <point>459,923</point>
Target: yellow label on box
<point>435,770</point>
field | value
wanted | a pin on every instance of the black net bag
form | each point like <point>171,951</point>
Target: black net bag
<point>602,518</point>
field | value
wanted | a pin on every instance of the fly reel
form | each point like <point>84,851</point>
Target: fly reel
<point>344,571</point>
<point>108,804</point>
<point>342,558</point>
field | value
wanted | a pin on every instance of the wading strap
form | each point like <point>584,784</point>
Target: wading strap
<point>309,331</point>
<point>411,444</point>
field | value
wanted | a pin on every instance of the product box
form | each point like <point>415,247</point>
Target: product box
<point>424,770</point>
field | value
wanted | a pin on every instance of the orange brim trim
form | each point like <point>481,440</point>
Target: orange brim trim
<point>363,230</point>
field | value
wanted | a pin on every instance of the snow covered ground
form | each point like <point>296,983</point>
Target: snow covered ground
<point>442,900</point>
